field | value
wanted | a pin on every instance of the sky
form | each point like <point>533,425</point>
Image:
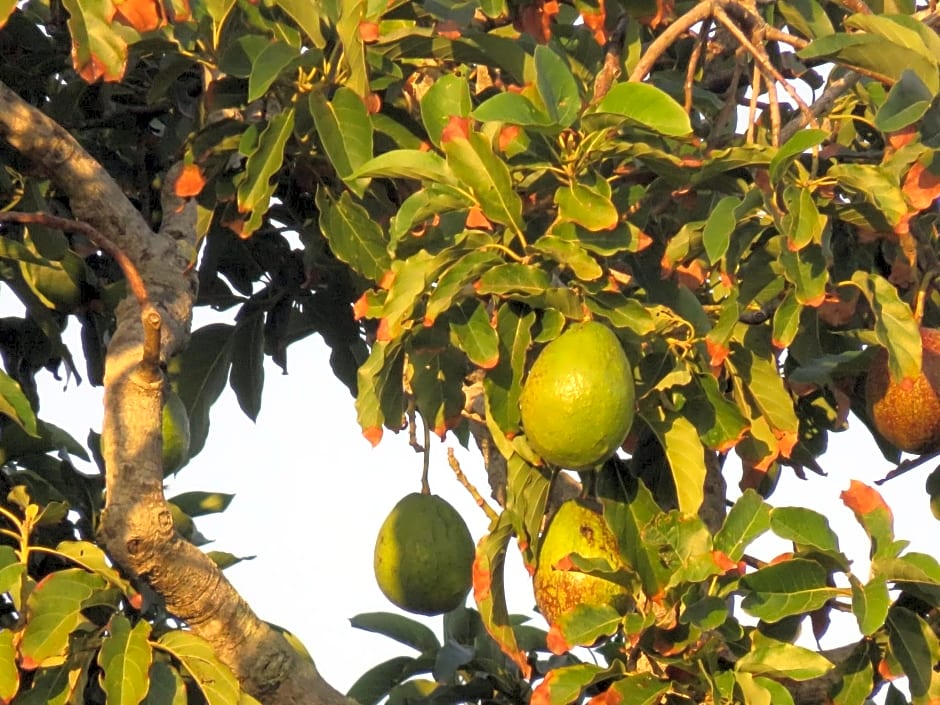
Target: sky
<point>311,493</point>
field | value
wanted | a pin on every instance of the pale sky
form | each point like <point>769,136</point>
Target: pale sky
<point>311,494</point>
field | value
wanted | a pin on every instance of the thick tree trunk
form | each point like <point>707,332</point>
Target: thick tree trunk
<point>137,527</point>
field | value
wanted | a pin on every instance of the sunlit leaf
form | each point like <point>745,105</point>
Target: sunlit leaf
<point>748,519</point>
<point>648,106</point>
<point>125,658</point>
<point>780,659</point>
<point>398,627</point>
<point>796,586</point>
<point>216,681</point>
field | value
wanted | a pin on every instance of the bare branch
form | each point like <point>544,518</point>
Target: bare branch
<point>836,89</point>
<point>658,46</point>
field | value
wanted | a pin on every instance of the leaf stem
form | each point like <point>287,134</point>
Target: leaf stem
<point>481,503</point>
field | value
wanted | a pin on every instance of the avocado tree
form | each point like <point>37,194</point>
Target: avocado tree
<point>742,193</point>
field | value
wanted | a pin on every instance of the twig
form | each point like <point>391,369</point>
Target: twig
<point>613,58</point>
<point>150,359</point>
<point>482,503</point>
<point>752,104</point>
<point>774,113</point>
<point>658,46</point>
<point>858,6</point>
<point>778,35</point>
<point>920,301</point>
<point>836,89</point>
<point>426,464</point>
<point>907,465</point>
<point>693,62</point>
<point>760,56</point>
<point>134,280</point>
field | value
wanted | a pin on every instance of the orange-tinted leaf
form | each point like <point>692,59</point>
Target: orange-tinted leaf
<point>921,186</point>
<point>476,219</point>
<point>456,128</point>
<point>190,182</point>
<point>28,663</point>
<point>536,19</point>
<point>542,694</point>
<point>361,307</point>
<point>369,32</point>
<point>595,21</point>
<point>373,435</point>
<point>136,601</point>
<point>691,275</point>
<point>482,579</point>
<point>884,670</point>
<point>839,308</point>
<point>611,696</point>
<point>901,138</point>
<point>506,136</point>
<point>383,334</point>
<point>863,499</point>
<point>449,29</point>
<point>387,280</point>
<point>142,15</point>
<point>717,352</point>
<point>786,440</point>
<point>556,641</point>
<point>782,558</point>
<point>373,103</point>
<point>722,561</point>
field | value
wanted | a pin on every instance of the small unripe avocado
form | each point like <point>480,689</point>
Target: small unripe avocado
<point>176,433</point>
<point>907,413</point>
<point>577,527</point>
<point>424,555</point>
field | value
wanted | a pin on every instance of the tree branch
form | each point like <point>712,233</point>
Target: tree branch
<point>136,525</point>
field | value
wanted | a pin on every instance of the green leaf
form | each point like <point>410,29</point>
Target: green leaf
<point>804,527</point>
<point>49,686</point>
<point>796,586</point>
<point>587,206</point>
<point>268,65</point>
<point>557,87</point>
<point>629,522</point>
<point>685,453</point>
<point>857,677</point>
<point>807,17</point>
<point>197,503</point>
<point>748,519</point>
<point>93,559</point>
<point>380,400</point>
<point>503,384</point>
<point>448,96</point>
<point>401,629</point>
<point>247,374</point>
<point>570,254</point>
<point>54,611</point>
<point>766,386</point>
<point>166,686</point>
<point>373,685</point>
<point>437,375</point>
<point>513,108</point>
<point>585,624</point>
<point>707,613</point>
<point>450,286</point>
<point>407,164</point>
<point>15,405</point>
<point>354,53</point>
<point>423,205</point>
<point>786,323</point>
<point>782,660</point>
<point>914,645</point>
<point>802,224</point>
<point>489,590</point>
<point>895,326</point>
<point>622,311</point>
<point>307,15</point>
<point>216,681</point>
<point>99,49</point>
<point>762,691</point>
<point>718,228</point>
<point>807,270</point>
<point>506,279</point>
<point>793,148</point>
<point>649,106</point>
<point>876,199</point>
<point>125,658</point>
<point>640,689</point>
<point>474,163</point>
<point>265,159</point>
<point>474,334</point>
<point>354,235</point>
<point>345,131</point>
<point>907,102</point>
<point>565,685</point>
<point>410,279</point>
<point>875,55</point>
<point>10,569</point>
<point>9,673</point>
<point>870,603</point>
<point>199,375</point>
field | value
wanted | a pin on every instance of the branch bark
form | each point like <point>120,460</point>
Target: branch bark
<point>137,526</point>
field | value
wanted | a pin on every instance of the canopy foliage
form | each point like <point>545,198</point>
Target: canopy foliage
<point>745,193</point>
